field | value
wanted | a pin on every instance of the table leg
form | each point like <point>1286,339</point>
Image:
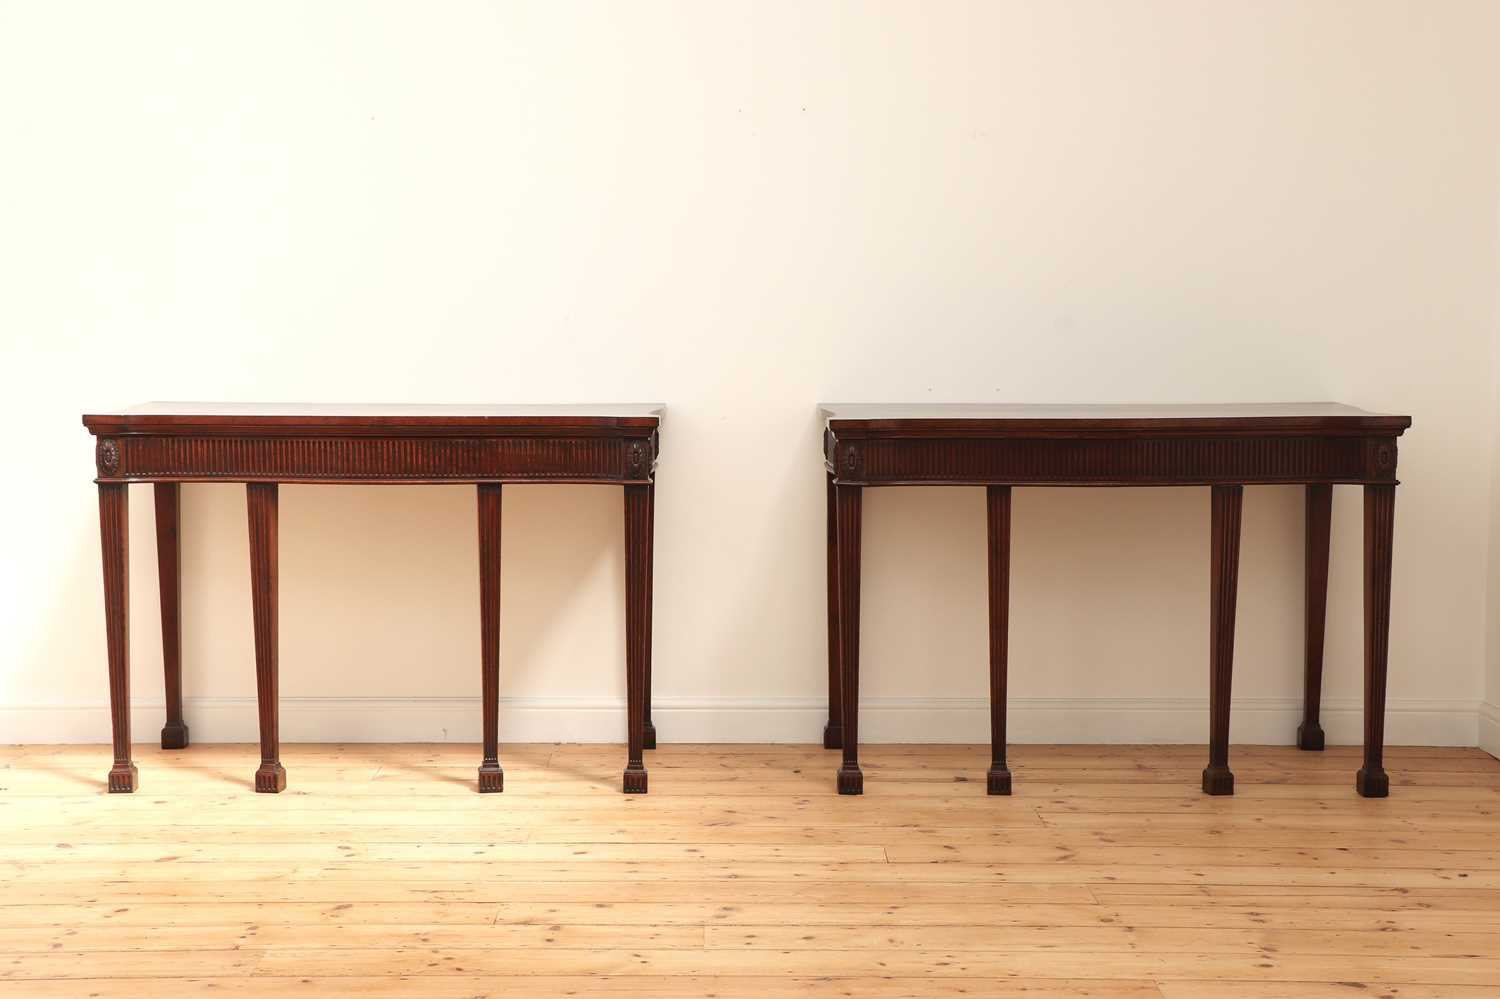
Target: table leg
<point>1315,593</point>
<point>998,498</point>
<point>637,582</point>
<point>851,779</point>
<point>833,734</point>
<point>169,572</point>
<point>1380,522</point>
<point>648,737</point>
<point>1224,570</point>
<point>491,776</point>
<point>260,503</point>
<point>114,545</point>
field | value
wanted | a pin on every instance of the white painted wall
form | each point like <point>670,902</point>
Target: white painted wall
<point>1489,710</point>
<point>742,209</point>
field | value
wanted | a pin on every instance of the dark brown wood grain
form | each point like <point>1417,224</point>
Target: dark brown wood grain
<point>393,420</point>
<point>1224,573</point>
<point>1380,521</point>
<point>174,735</point>
<point>491,776</point>
<point>637,580</point>
<point>1225,447</point>
<point>263,445</point>
<point>261,505</point>
<point>114,544</point>
<point>850,500</point>
<point>1319,521</point>
<point>648,730</point>
<point>1112,445</point>
<point>833,734</point>
<point>998,516</point>
<point>364,458</point>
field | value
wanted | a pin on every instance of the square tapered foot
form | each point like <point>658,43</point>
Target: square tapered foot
<point>635,780</point>
<point>833,736</point>
<point>998,780</point>
<point>175,736</point>
<point>1217,780</point>
<point>270,778</point>
<point>123,778</point>
<point>1310,737</point>
<point>491,779</point>
<point>851,780</point>
<point>1372,783</point>
<point>648,739</point>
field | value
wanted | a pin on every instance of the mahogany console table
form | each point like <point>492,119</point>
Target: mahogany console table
<point>265,445</point>
<point>1224,447</point>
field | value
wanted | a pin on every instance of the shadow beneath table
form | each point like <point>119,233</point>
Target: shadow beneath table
<point>592,776</point>
<point>403,766</point>
<point>71,776</point>
<point>235,778</point>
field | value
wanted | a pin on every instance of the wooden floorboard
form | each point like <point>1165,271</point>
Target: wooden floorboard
<point>380,872</point>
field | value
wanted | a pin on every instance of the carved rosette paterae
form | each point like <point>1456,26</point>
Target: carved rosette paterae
<point>640,458</point>
<point>107,456</point>
<point>1380,459</point>
<point>851,461</point>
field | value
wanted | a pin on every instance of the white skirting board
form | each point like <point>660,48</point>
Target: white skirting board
<point>1262,721</point>
<point>1489,728</point>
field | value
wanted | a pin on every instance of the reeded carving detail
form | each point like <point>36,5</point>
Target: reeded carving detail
<point>1103,461</point>
<point>107,456</point>
<point>418,459</point>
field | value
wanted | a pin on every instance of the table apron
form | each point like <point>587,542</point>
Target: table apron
<point>367,459</point>
<point>1115,461</point>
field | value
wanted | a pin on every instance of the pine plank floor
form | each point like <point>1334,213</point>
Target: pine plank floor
<point>380,872</point>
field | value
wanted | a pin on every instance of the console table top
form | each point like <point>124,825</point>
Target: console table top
<point>1268,417</point>
<point>167,416</point>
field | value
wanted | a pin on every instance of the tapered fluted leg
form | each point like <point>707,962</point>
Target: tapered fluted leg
<point>998,502</point>
<point>1319,519</point>
<point>833,734</point>
<point>114,545</point>
<point>169,571</point>
<point>851,780</point>
<point>648,738</point>
<point>491,777</point>
<point>637,581</point>
<point>1380,522</point>
<point>260,502</point>
<point>1224,571</point>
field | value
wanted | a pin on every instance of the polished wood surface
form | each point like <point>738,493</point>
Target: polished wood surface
<point>174,734</point>
<point>382,873</point>
<point>1225,506</point>
<point>1224,447</point>
<point>114,547</point>
<point>1380,510</point>
<point>851,780</point>
<point>833,731</point>
<point>262,505</point>
<point>637,630</point>
<point>1288,417</point>
<point>264,445</point>
<point>997,517</point>
<point>160,415</point>
<point>491,776</point>
<point>1317,526</point>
